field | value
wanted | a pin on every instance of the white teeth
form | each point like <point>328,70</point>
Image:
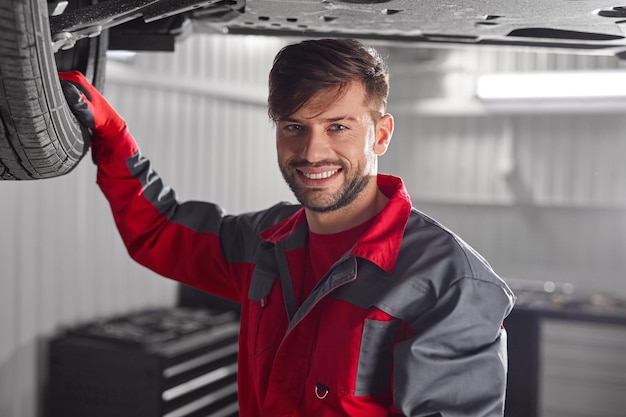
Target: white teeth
<point>320,175</point>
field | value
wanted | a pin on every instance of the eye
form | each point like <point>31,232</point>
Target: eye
<point>338,127</point>
<point>293,128</point>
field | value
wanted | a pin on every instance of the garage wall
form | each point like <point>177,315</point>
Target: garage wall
<point>540,196</point>
<point>201,116</point>
<point>538,189</point>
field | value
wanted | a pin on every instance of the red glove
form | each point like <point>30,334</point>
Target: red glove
<point>90,107</point>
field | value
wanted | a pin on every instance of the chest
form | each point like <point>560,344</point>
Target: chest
<point>329,351</point>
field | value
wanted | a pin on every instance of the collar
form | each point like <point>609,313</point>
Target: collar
<point>380,244</point>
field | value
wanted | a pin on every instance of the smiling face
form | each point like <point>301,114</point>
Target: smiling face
<point>328,149</point>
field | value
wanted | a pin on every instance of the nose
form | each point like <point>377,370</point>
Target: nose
<point>316,146</point>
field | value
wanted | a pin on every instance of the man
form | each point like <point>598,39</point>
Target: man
<point>354,303</point>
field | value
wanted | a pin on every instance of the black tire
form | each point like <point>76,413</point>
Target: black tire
<point>39,136</point>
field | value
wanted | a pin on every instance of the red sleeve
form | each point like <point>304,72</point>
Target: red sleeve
<point>177,240</point>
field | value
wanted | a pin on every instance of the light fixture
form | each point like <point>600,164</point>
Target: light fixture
<point>121,55</point>
<point>556,85</point>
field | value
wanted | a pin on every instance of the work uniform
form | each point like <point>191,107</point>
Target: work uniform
<point>407,322</point>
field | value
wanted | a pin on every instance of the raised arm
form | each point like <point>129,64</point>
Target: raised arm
<point>191,242</point>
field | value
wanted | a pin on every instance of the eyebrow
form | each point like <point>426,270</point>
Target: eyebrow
<point>327,120</point>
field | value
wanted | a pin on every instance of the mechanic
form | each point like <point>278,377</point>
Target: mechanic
<point>354,303</point>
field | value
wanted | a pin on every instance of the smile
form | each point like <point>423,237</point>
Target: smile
<point>319,175</point>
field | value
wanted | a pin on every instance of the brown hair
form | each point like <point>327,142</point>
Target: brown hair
<point>302,70</point>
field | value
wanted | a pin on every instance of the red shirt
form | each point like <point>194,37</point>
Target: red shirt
<point>323,250</point>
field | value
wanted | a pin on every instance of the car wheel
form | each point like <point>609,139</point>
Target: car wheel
<point>39,136</point>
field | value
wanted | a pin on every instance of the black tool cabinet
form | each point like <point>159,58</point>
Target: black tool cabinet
<point>171,362</point>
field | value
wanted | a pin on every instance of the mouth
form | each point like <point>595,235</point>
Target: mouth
<point>319,175</point>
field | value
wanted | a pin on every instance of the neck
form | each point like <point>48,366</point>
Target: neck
<point>369,204</point>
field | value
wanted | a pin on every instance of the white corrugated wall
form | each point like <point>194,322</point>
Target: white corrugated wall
<point>542,196</point>
<point>540,192</point>
<point>201,117</point>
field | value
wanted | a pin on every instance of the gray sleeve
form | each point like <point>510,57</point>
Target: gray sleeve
<point>456,365</point>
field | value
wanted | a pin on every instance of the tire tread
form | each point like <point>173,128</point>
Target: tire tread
<point>39,137</point>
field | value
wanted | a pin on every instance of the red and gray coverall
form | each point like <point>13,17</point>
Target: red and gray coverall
<point>408,322</point>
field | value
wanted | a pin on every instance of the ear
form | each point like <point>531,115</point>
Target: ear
<point>384,130</point>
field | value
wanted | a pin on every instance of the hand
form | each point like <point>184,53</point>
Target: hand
<point>90,107</point>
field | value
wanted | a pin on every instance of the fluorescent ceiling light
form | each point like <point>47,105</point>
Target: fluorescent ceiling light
<point>121,56</point>
<point>552,85</point>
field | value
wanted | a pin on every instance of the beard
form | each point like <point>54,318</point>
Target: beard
<point>321,200</point>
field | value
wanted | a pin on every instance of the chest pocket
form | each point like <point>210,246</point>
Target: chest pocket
<point>266,310</point>
<point>375,357</point>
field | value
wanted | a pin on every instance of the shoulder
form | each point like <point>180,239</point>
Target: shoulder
<point>436,270</point>
<point>435,258</point>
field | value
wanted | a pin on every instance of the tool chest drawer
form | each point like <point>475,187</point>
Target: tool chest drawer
<point>175,362</point>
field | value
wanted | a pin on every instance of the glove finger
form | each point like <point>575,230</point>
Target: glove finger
<point>79,80</point>
<point>77,104</point>
<point>80,87</point>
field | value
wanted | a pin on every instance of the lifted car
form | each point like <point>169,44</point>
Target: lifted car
<point>40,138</point>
